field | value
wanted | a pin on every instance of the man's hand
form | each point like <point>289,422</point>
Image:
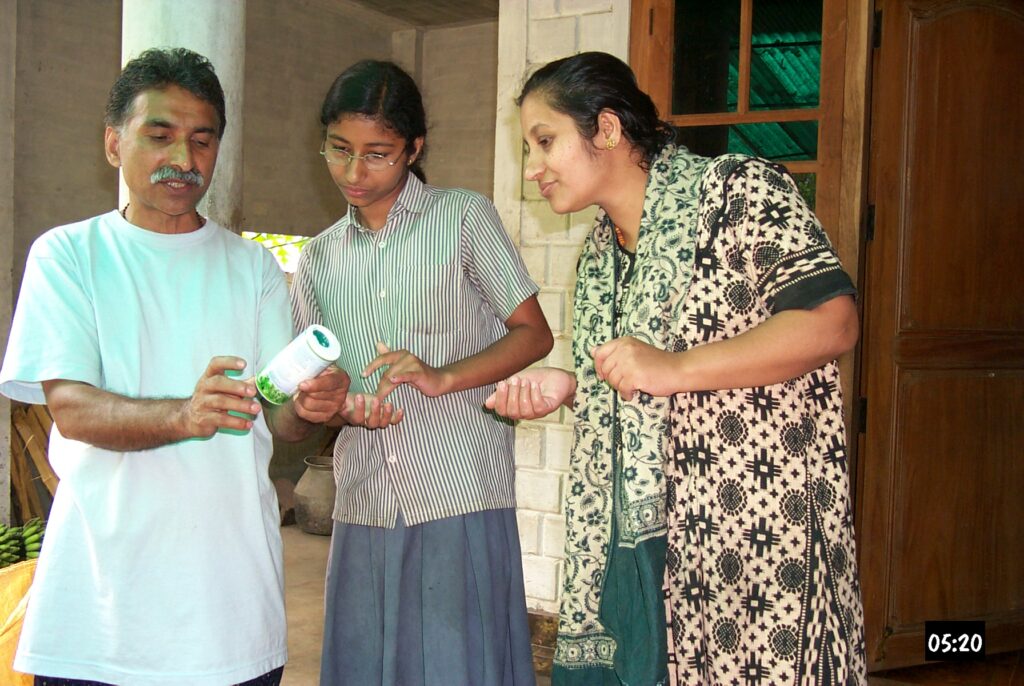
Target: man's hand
<point>401,366</point>
<point>217,394</point>
<point>323,397</point>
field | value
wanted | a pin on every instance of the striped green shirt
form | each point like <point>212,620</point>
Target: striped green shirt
<point>439,280</point>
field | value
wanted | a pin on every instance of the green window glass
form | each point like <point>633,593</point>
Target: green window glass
<point>785,55</point>
<point>706,55</point>
<point>776,141</point>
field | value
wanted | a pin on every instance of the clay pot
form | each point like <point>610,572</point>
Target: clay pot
<point>314,496</point>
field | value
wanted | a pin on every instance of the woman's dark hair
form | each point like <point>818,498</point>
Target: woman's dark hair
<point>158,68</point>
<point>583,85</point>
<point>382,91</point>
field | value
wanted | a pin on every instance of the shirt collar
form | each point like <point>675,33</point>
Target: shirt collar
<point>413,198</point>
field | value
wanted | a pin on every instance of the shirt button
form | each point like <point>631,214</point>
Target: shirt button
<point>380,294</point>
<point>392,459</point>
<point>382,244</point>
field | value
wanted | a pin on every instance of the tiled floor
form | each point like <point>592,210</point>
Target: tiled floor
<point>305,561</point>
<point>305,558</point>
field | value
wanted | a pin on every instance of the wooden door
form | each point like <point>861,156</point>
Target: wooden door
<point>941,477</point>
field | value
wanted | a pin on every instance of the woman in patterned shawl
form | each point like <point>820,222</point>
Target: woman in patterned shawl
<point>710,536</point>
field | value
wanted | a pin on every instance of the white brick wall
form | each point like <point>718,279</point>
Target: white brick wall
<point>542,576</point>
<point>552,302</point>
<point>531,34</point>
<point>551,38</point>
<point>538,490</point>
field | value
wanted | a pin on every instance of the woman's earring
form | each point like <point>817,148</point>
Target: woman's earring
<point>609,143</point>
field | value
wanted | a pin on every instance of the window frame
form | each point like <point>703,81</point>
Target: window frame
<point>651,41</point>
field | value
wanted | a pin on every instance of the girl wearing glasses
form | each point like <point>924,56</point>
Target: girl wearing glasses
<point>432,305</point>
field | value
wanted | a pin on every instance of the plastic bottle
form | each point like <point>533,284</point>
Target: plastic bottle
<point>309,353</point>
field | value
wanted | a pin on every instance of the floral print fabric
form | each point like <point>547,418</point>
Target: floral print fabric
<point>620,448</point>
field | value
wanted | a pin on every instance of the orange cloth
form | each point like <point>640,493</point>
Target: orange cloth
<point>15,582</point>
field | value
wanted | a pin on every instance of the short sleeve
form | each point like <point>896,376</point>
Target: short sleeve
<point>492,263</point>
<point>786,249</point>
<point>305,310</point>
<point>53,333</point>
<point>275,320</point>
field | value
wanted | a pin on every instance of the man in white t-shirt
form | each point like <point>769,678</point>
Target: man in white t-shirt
<point>142,329</point>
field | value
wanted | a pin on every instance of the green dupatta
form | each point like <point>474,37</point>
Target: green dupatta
<point>612,623</point>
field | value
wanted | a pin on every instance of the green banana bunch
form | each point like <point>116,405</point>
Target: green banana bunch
<point>11,549</point>
<point>32,537</point>
<point>18,543</point>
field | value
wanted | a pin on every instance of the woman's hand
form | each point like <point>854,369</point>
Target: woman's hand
<point>404,367</point>
<point>532,393</point>
<point>629,365</point>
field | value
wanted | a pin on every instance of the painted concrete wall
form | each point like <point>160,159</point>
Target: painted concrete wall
<point>294,52</point>
<point>532,33</point>
<point>62,80</point>
<point>459,78</point>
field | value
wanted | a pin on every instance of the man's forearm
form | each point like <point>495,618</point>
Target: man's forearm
<point>114,422</point>
<point>107,420</point>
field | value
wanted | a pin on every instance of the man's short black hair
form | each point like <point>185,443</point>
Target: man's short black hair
<point>158,68</point>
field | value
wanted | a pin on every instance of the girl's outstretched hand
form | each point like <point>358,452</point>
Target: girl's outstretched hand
<point>532,393</point>
<point>401,366</point>
<point>370,412</point>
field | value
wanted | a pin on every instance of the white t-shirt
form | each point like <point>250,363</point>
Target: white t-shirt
<point>161,566</point>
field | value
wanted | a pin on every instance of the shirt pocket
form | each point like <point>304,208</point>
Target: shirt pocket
<point>428,298</point>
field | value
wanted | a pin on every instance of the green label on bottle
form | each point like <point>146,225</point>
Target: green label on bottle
<point>269,391</point>
<point>321,339</point>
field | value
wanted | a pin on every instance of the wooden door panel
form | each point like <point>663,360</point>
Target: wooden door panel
<point>941,477</point>
<point>962,501</point>
<point>962,112</point>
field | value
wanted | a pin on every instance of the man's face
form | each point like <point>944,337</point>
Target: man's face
<point>167,150</point>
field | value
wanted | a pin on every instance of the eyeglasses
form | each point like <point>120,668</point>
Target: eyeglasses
<point>374,161</point>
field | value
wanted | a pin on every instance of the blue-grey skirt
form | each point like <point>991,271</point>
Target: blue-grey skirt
<point>436,604</point>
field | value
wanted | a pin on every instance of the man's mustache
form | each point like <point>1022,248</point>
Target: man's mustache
<point>164,173</point>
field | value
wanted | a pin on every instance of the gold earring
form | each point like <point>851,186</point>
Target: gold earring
<point>609,144</point>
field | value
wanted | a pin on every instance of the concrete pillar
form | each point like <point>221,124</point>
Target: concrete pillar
<point>407,52</point>
<point>217,31</point>
<point>8,35</point>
